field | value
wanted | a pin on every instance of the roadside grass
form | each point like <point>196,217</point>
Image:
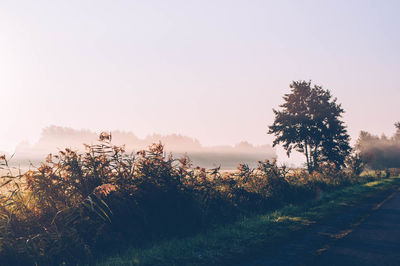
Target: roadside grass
<point>250,236</point>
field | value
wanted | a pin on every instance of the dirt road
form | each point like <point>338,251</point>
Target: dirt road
<point>366,235</point>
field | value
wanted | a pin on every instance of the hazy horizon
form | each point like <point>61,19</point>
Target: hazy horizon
<point>210,70</point>
<point>54,139</point>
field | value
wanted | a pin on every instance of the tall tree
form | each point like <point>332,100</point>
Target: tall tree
<point>309,122</point>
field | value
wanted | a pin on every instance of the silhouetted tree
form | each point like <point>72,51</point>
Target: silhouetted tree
<point>397,125</point>
<point>309,122</point>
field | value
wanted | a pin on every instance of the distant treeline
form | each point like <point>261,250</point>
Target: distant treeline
<point>54,138</point>
<point>379,152</point>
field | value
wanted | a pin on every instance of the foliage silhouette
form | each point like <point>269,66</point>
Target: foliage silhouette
<point>309,122</point>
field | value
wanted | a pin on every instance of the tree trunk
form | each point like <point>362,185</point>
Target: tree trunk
<point>308,158</point>
<point>316,157</point>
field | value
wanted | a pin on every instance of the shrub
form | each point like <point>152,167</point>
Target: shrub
<point>76,206</point>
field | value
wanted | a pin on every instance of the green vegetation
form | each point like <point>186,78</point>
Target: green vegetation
<point>251,235</point>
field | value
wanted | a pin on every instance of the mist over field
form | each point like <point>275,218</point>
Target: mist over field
<point>380,152</point>
<point>56,138</point>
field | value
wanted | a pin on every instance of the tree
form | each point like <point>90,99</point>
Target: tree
<point>309,122</point>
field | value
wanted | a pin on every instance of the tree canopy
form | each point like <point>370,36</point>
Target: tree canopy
<point>309,122</point>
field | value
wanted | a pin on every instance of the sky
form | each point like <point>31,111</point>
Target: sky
<point>211,70</point>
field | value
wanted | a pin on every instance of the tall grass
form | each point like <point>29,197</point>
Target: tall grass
<point>76,206</point>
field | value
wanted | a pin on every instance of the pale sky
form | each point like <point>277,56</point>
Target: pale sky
<point>212,70</point>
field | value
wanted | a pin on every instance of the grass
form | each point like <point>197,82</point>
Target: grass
<point>249,236</point>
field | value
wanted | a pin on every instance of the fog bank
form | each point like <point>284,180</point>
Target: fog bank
<point>55,138</point>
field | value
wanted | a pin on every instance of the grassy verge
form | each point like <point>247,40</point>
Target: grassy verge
<point>250,235</point>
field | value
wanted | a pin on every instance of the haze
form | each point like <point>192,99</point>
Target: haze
<point>54,138</point>
<point>210,70</point>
